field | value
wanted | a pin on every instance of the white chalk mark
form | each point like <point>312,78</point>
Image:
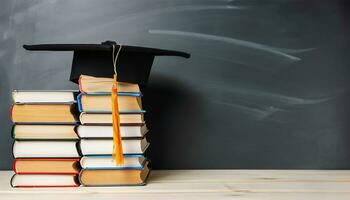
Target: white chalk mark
<point>273,97</point>
<point>287,100</point>
<point>234,41</point>
<point>175,9</point>
<point>257,113</point>
<point>262,105</point>
<point>294,51</point>
<point>193,8</point>
<point>236,62</point>
<point>151,14</point>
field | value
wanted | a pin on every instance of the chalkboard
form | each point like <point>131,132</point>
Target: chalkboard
<point>267,85</point>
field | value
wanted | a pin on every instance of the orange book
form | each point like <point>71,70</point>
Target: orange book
<point>46,166</point>
<point>44,132</point>
<point>102,102</point>
<point>114,177</point>
<point>44,113</point>
<point>106,118</point>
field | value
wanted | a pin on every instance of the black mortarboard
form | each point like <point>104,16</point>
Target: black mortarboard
<point>134,63</point>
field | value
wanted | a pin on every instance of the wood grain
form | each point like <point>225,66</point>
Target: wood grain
<point>205,184</point>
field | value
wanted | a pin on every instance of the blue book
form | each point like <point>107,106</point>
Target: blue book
<point>129,102</point>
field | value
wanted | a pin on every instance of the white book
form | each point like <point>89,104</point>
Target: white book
<point>107,131</point>
<point>105,147</point>
<point>41,180</point>
<point>45,149</point>
<point>43,96</point>
<point>106,162</point>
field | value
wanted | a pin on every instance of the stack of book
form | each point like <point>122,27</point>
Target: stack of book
<point>96,133</point>
<point>45,140</point>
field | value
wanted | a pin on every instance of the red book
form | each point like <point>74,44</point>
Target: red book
<point>45,172</point>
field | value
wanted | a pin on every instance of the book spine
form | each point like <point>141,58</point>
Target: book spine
<point>14,166</point>
<point>81,85</point>
<point>80,106</point>
<point>13,133</point>
<point>13,149</point>
<point>77,146</point>
<point>11,181</point>
<point>11,112</point>
<point>81,118</point>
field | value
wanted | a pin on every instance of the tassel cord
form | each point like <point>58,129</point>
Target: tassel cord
<point>117,153</point>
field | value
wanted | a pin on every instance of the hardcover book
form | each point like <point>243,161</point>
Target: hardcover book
<point>107,131</point>
<point>43,96</point>
<point>105,146</point>
<point>46,166</point>
<point>106,119</point>
<point>114,177</point>
<point>44,180</point>
<point>44,132</point>
<point>90,84</point>
<point>132,161</point>
<point>101,102</point>
<point>45,149</point>
<point>44,113</point>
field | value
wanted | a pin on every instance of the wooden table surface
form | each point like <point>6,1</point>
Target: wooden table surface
<point>205,184</point>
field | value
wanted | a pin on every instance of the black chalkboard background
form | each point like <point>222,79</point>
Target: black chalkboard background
<point>267,85</point>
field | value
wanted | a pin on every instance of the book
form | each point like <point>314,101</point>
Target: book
<point>44,180</point>
<point>107,131</point>
<point>43,132</point>
<point>130,103</point>
<point>89,84</point>
<point>43,96</point>
<point>45,149</point>
<point>106,162</point>
<point>44,113</point>
<point>106,119</point>
<point>114,177</point>
<point>105,146</point>
<point>46,166</point>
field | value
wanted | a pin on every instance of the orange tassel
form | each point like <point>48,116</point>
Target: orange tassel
<point>117,153</point>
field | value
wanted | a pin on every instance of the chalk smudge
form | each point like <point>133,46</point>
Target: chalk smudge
<point>258,113</point>
<point>273,97</point>
<point>175,9</point>
<point>260,104</point>
<point>229,40</point>
<point>294,51</point>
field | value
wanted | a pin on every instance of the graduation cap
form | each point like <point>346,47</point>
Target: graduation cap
<point>134,63</point>
<point>129,63</point>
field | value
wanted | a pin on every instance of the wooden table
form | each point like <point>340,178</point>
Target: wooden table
<point>205,184</point>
